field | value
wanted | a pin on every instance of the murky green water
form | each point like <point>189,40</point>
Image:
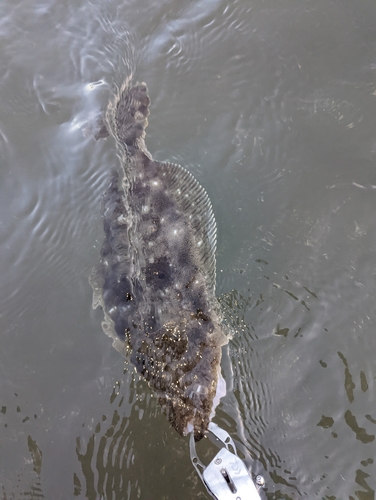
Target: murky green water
<point>272,106</point>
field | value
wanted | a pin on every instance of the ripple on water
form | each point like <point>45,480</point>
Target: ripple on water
<point>54,175</point>
<point>107,454</point>
<point>258,112</point>
<point>300,374</point>
<point>116,452</point>
<point>299,364</point>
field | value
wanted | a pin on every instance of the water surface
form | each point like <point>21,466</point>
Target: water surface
<point>271,105</point>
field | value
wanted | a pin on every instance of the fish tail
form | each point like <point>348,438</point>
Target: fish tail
<point>131,112</point>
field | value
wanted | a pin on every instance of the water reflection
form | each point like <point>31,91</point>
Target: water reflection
<point>111,455</point>
<point>265,352</point>
<point>271,105</point>
<point>133,442</point>
<point>106,454</point>
<point>29,483</point>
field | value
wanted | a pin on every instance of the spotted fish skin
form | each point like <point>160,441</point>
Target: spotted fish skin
<point>156,276</point>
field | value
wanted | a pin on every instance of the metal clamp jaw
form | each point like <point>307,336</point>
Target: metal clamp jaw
<point>226,477</point>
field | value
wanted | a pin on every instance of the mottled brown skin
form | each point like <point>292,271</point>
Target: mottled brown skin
<point>154,290</point>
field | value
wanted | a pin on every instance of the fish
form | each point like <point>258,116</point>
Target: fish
<point>156,276</point>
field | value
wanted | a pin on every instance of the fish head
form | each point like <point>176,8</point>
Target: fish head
<point>182,365</point>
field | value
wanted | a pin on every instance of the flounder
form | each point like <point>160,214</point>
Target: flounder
<point>156,277</point>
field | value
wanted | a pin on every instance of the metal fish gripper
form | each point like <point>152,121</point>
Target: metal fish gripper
<point>226,477</point>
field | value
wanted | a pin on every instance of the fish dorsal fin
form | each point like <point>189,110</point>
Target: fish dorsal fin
<point>194,201</point>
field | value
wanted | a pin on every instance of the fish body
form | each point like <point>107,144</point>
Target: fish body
<point>156,276</point>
